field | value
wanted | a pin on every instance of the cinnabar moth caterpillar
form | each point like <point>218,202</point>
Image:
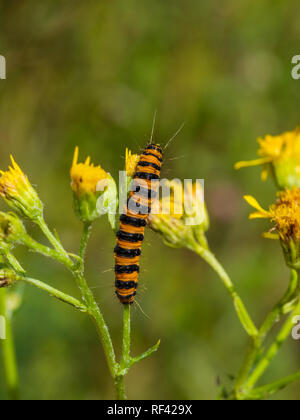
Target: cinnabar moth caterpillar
<point>133,221</point>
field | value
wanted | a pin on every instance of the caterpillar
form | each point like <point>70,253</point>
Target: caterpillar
<point>133,222</point>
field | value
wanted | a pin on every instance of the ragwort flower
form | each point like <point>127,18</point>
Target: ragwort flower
<point>285,214</point>
<point>279,156</point>
<point>19,194</point>
<point>89,184</point>
<point>85,182</point>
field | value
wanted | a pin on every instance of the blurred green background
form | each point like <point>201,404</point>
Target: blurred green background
<point>91,74</point>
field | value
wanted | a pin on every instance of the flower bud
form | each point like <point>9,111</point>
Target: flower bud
<point>19,194</point>
<point>181,217</point>
<point>88,183</point>
<point>12,229</point>
<point>7,277</point>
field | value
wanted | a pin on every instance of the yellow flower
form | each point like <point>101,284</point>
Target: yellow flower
<point>131,163</point>
<point>85,176</point>
<point>17,191</point>
<point>285,214</point>
<point>181,216</point>
<point>89,183</point>
<point>280,156</point>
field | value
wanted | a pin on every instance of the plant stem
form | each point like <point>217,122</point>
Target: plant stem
<point>153,349</point>
<point>87,229</point>
<point>273,350</point>
<point>126,336</point>
<point>94,309</point>
<point>120,388</point>
<point>45,250</point>
<point>55,243</point>
<point>271,389</point>
<point>250,358</point>
<point>70,300</point>
<point>117,371</point>
<point>241,311</point>
<point>279,309</point>
<point>125,360</point>
<point>14,262</point>
<point>9,354</point>
<point>97,317</point>
<point>255,345</point>
<point>87,295</point>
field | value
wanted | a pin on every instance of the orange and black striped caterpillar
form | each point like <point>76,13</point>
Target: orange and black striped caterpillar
<point>133,222</point>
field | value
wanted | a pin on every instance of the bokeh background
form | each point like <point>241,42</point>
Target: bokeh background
<point>91,74</point>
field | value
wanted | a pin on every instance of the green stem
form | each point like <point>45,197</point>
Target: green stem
<point>70,300</point>
<point>120,388</point>
<point>250,359</point>
<point>88,297</point>
<point>97,317</point>
<point>134,360</point>
<point>271,389</point>
<point>9,354</point>
<point>55,243</point>
<point>11,259</point>
<point>239,306</point>
<point>94,309</point>
<point>125,360</point>
<point>126,337</point>
<point>87,229</point>
<point>273,350</point>
<point>46,251</point>
<point>284,306</point>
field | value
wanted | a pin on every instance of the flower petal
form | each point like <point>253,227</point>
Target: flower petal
<point>254,203</point>
<point>269,235</point>
<point>248,163</point>
<point>16,167</point>
<point>258,215</point>
<point>76,154</point>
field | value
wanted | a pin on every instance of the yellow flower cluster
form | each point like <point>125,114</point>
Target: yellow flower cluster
<point>280,156</point>
<point>285,213</point>
<point>284,146</point>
